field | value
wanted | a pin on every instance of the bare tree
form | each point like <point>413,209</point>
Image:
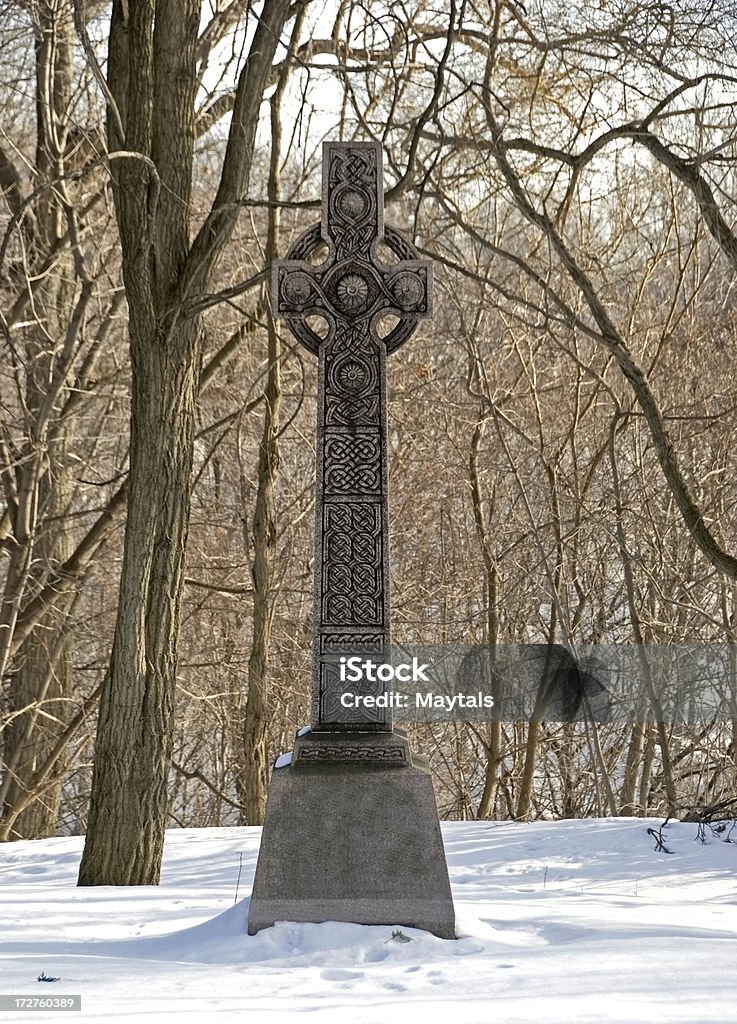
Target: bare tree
<point>153,80</point>
<point>59,315</point>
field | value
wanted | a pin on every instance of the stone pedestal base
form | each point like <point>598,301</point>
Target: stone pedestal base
<point>352,834</point>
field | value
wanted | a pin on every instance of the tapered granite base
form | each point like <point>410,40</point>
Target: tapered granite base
<point>352,834</point>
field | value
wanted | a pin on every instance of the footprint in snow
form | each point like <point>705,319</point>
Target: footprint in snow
<point>336,974</point>
<point>394,986</point>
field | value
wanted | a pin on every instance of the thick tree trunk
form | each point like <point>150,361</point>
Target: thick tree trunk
<point>153,82</point>
<point>152,77</point>
<point>128,806</point>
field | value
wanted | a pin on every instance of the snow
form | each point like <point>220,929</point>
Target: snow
<point>570,921</point>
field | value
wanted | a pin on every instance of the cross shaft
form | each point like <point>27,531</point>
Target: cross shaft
<point>351,291</point>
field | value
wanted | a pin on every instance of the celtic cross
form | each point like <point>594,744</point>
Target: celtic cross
<point>352,292</point>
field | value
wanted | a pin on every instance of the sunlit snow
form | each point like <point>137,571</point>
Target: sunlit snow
<point>572,921</point>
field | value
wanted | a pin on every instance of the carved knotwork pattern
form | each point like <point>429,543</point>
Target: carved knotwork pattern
<point>353,559</point>
<point>354,752</point>
<point>352,380</point>
<point>354,643</point>
<point>352,464</point>
<point>326,701</point>
<point>352,207</point>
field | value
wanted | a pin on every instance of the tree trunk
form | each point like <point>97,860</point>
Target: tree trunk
<point>153,81</point>
<point>151,73</point>
<point>493,738</point>
<point>256,722</point>
<point>628,805</point>
<point>41,684</point>
<point>39,676</point>
<point>629,581</point>
<point>524,798</point>
<point>133,748</point>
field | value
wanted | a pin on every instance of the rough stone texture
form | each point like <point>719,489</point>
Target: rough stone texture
<point>347,841</point>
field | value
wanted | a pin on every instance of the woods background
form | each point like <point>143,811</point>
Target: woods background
<point>562,455</point>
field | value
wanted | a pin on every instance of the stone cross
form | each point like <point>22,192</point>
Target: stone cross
<point>352,294</point>
<point>351,831</point>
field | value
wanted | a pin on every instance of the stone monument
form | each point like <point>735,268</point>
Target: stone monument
<point>351,830</point>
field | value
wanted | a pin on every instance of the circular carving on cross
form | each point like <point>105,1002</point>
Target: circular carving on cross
<point>408,291</point>
<point>297,289</point>
<point>352,375</point>
<point>352,204</point>
<point>351,293</point>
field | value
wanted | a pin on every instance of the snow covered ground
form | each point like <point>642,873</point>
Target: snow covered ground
<point>571,921</point>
